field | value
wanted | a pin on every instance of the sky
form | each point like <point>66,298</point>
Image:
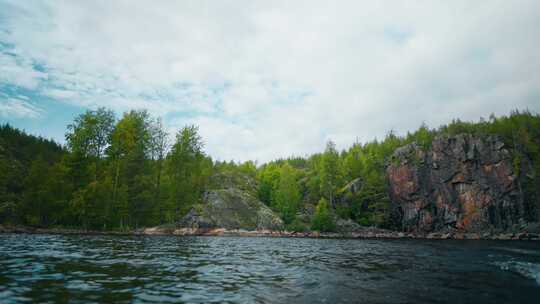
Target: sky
<point>269,79</point>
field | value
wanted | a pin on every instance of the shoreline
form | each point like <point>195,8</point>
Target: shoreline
<point>366,234</point>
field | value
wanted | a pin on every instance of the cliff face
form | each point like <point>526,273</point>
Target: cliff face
<point>462,182</point>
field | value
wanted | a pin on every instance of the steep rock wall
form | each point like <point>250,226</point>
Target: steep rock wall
<point>461,182</point>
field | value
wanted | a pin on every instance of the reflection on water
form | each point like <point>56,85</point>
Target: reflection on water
<point>41,268</point>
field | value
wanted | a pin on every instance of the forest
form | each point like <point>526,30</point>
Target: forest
<point>128,172</point>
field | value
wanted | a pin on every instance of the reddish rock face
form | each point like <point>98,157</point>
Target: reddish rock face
<point>461,182</point>
<point>405,176</point>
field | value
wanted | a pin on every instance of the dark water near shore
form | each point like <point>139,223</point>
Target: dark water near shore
<point>55,268</point>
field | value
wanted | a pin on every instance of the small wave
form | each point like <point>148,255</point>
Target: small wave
<point>519,251</point>
<point>526,269</point>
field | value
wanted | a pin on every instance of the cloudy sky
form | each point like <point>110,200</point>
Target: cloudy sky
<point>267,79</point>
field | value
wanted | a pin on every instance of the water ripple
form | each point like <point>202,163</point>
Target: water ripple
<point>132,269</point>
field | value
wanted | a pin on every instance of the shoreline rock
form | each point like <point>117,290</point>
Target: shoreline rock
<point>231,202</point>
<point>461,182</point>
<point>368,233</point>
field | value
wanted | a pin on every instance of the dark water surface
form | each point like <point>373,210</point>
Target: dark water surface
<point>55,268</point>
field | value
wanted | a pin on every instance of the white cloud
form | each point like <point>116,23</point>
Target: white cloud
<point>18,108</point>
<point>19,71</point>
<point>270,79</point>
<point>61,94</point>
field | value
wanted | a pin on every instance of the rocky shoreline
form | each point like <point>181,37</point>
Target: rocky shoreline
<point>366,233</point>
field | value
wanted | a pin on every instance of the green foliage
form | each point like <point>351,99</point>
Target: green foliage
<point>159,144</point>
<point>184,166</point>
<point>249,168</point>
<point>35,203</point>
<point>322,220</point>
<point>90,204</point>
<point>423,136</point>
<point>313,187</point>
<point>352,162</point>
<point>114,174</point>
<point>129,153</point>
<point>287,194</point>
<point>297,226</point>
<point>343,211</point>
<point>23,148</point>
<point>330,174</point>
<point>120,174</point>
<point>365,221</point>
<point>268,177</point>
<point>89,134</point>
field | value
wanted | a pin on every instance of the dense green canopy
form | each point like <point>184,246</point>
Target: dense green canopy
<point>126,173</point>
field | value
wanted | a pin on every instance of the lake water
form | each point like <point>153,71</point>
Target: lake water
<point>138,269</point>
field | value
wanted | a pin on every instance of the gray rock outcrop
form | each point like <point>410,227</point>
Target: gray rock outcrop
<point>231,203</point>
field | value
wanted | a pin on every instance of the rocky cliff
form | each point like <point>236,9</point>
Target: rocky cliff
<point>231,203</point>
<point>461,182</point>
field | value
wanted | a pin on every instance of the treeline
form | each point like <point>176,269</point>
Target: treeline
<point>323,180</point>
<point>129,172</point>
<point>112,174</point>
